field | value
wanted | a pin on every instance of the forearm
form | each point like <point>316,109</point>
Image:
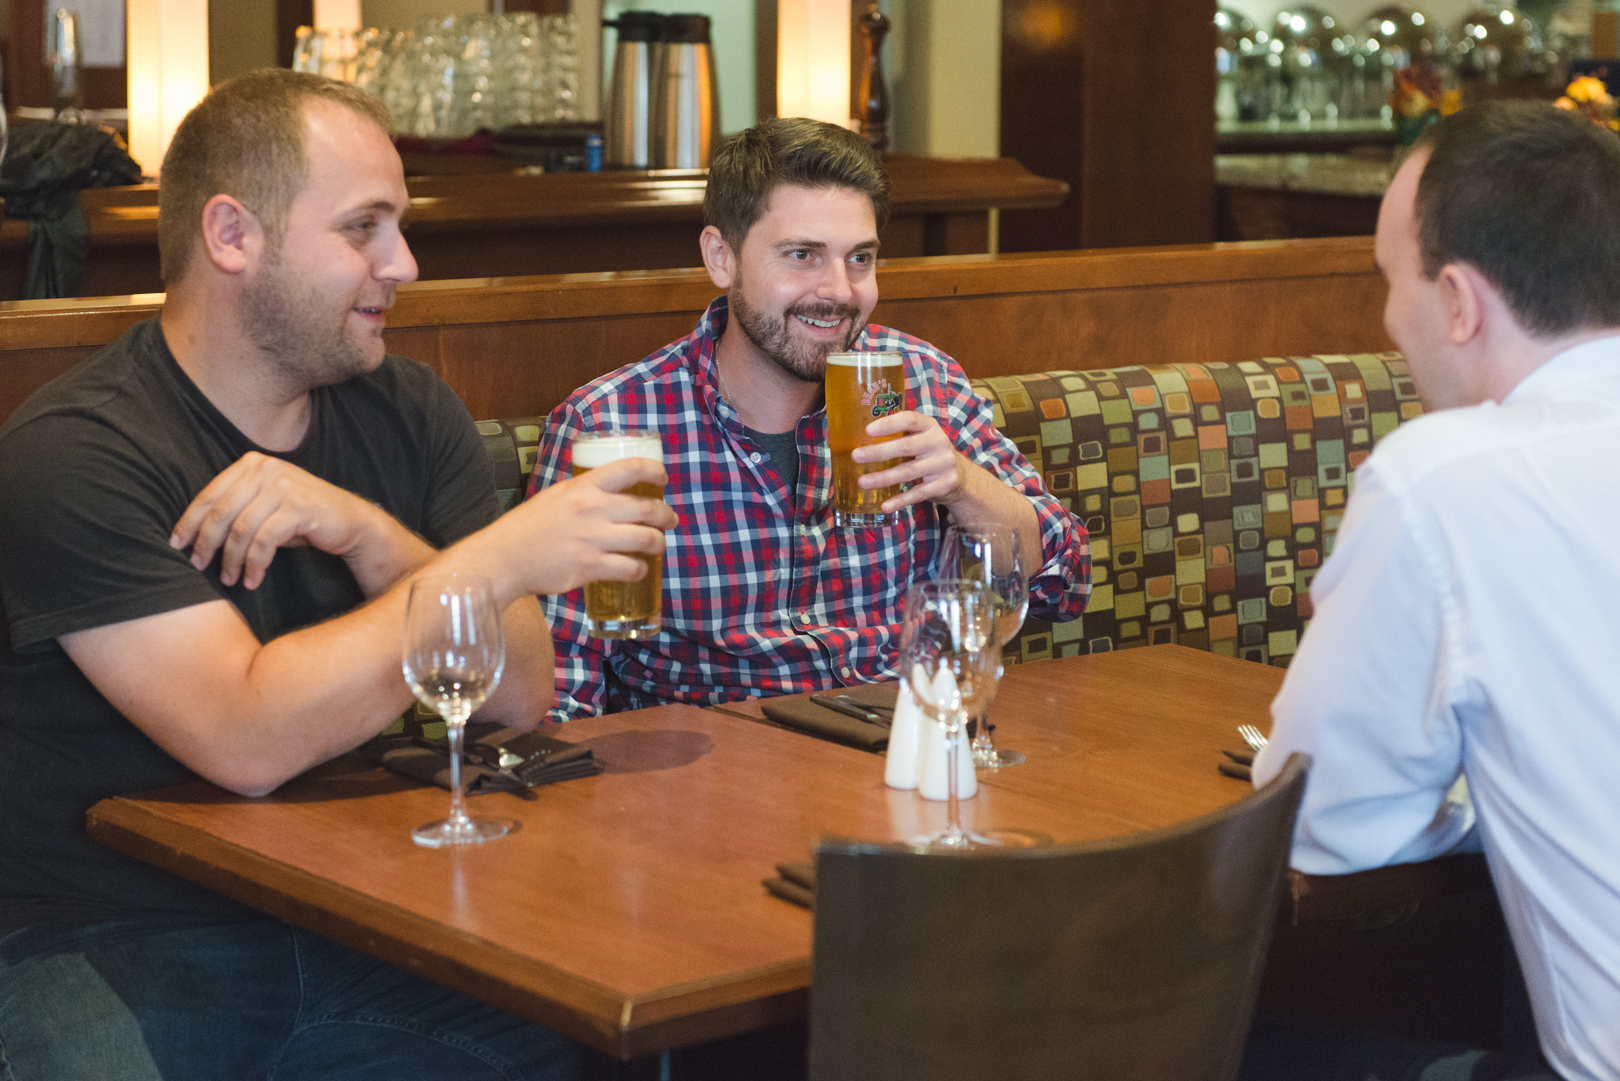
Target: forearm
<point>386,553</point>
<point>528,681</point>
<point>984,499</point>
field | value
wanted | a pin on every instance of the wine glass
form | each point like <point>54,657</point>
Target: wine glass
<point>453,659</point>
<point>990,554</point>
<point>948,654</point>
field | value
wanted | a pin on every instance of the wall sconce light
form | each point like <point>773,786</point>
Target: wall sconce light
<point>812,59</point>
<point>168,72</point>
<point>337,14</point>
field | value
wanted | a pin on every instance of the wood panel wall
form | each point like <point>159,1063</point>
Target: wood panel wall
<point>1117,98</point>
<point>518,346</point>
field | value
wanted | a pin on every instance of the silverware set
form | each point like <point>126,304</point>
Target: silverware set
<point>882,716</point>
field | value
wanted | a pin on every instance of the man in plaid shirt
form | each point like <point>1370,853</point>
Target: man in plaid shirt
<point>762,594</point>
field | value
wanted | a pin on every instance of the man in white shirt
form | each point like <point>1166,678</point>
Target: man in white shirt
<point>1464,624</point>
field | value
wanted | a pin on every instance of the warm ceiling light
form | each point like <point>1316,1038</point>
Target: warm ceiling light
<point>168,72</point>
<point>337,14</point>
<point>812,59</point>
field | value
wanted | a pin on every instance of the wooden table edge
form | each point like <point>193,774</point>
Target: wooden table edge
<point>613,1022</point>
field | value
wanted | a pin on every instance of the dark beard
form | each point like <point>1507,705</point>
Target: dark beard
<point>283,325</point>
<point>802,360</point>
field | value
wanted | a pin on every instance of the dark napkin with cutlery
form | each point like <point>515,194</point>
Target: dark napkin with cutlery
<point>803,713</point>
<point>1237,764</point>
<point>495,759</point>
<point>795,882</point>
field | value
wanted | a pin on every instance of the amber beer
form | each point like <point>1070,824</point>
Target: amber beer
<point>624,609</point>
<point>860,388</point>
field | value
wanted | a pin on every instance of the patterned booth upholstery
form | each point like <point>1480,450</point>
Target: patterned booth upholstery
<point>1212,492</point>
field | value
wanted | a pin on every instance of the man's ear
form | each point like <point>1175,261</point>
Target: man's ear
<point>718,258</point>
<point>232,238</point>
<point>1462,301</point>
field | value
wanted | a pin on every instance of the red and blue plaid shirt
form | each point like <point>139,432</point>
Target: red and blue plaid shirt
<point>762,595</point>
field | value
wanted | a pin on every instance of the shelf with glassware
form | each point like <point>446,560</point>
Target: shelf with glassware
<point>1311,112</point>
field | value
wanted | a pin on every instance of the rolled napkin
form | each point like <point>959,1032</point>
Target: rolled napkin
<point>802,714</point>
<point>796,882</point>
<point>496,759</point>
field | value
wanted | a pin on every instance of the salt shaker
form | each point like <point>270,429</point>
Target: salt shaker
<point>904,763</point>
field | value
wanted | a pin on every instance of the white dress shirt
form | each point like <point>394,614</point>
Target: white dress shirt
<point>1468,622</point>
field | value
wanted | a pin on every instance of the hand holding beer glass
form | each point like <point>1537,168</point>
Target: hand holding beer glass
<point>861,387</point>
<point>624,609</point>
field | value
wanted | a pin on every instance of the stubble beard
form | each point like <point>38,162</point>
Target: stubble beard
<point>296,329</point>
<point>805,361</point>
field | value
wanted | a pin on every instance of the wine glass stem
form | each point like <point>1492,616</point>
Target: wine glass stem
<point>953,748</point>
<point>455,729</point>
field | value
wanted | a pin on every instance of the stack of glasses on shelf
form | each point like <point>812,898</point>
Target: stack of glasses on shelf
<point>453,75</point>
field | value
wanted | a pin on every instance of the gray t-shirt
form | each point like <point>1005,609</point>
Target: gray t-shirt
<point>783,447</point>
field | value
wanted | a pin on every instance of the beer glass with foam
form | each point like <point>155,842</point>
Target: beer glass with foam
<point>861,387</point>
<point>623,609</point>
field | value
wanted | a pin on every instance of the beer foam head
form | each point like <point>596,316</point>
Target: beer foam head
<point>600,448</point>
<point>869,360</point>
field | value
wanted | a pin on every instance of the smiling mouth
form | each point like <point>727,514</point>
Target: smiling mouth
<point>823,324</point>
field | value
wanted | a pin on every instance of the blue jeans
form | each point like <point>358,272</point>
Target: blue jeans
<point>262,1000</point>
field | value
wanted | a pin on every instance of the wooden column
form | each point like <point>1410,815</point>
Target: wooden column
<point>1117,98</point>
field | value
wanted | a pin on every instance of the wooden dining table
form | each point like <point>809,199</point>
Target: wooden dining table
<point>626,909</point>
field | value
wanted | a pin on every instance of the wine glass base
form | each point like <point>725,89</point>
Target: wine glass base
<point>467,831</point>
<point>996,758</point>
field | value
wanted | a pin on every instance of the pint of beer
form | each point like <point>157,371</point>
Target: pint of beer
<point>860,388</point>
<point>623,609</point>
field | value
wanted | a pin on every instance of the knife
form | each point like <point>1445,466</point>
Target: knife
<point>842,704</point>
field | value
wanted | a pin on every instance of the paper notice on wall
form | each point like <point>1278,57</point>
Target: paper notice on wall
<point>101,29</point>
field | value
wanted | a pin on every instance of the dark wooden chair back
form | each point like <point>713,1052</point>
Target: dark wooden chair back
<point>1136,958</point>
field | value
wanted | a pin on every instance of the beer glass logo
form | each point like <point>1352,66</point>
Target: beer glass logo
<point>880,399</point>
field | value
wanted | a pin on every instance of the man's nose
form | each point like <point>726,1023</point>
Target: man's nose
<point>399,266</point>
<point>833,285</point>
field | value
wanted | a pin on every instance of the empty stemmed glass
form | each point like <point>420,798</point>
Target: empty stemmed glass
<point>948,651</point>
<point>990,554</point>
<point>453,658</point>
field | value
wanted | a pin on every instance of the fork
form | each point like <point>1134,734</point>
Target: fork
<point>1252,736</point>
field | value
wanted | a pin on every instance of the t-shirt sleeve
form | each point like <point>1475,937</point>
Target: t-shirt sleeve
<point>85,526</point>
<point>461,495</point>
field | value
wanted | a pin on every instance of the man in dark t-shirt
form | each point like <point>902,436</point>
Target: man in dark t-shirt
<point>207,533</point>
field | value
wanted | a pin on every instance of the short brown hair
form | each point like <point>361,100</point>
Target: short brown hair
<point>1530,196</point>
<point>245,140</point>
<point>789,150</point>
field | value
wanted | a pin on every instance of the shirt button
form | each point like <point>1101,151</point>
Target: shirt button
<point>755,457</point>
<point>844,671</point>
<point>804,617</point>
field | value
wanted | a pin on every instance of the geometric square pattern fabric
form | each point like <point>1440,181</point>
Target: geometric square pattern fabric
<point>1211,492</point>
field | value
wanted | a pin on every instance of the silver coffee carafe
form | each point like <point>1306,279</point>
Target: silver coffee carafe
<point>628,124</point>
<point>685,101</point>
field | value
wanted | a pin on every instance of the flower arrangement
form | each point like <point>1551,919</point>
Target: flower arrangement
<point>1419,99</point>
<point>1587,94</point>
